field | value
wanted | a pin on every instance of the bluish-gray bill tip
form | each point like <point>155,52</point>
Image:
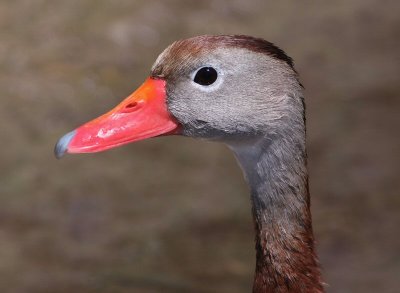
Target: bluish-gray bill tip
<point>62,144</point>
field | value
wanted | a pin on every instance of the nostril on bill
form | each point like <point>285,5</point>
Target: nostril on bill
<point>131,107</point>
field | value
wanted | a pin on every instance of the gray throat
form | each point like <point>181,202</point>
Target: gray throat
<point>275,169</point>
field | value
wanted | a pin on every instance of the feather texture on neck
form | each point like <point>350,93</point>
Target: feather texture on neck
<point>275,169</point>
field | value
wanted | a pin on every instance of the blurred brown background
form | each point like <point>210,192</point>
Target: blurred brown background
<point>173,214</point>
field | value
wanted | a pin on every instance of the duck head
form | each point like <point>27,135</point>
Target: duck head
<point>223,88</point>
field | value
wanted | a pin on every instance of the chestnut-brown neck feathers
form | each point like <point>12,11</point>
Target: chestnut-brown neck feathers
<point>276,172</point>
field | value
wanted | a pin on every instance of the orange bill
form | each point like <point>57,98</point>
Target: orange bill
<point>142,115</point>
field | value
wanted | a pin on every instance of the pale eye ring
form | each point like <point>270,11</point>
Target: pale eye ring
<point>206,76</point>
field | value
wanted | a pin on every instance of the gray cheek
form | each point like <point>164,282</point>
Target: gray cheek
<point>206,115</point>
<point>191,118</point>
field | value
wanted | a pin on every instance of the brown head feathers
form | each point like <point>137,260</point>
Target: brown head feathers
<point>196,45</point>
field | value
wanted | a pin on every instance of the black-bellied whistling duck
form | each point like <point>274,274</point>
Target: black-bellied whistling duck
<point>244,92</point>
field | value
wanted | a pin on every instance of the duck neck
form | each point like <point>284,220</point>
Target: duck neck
<point>275,169</point>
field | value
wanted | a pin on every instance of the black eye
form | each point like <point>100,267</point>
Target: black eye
<point>206,76</point>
